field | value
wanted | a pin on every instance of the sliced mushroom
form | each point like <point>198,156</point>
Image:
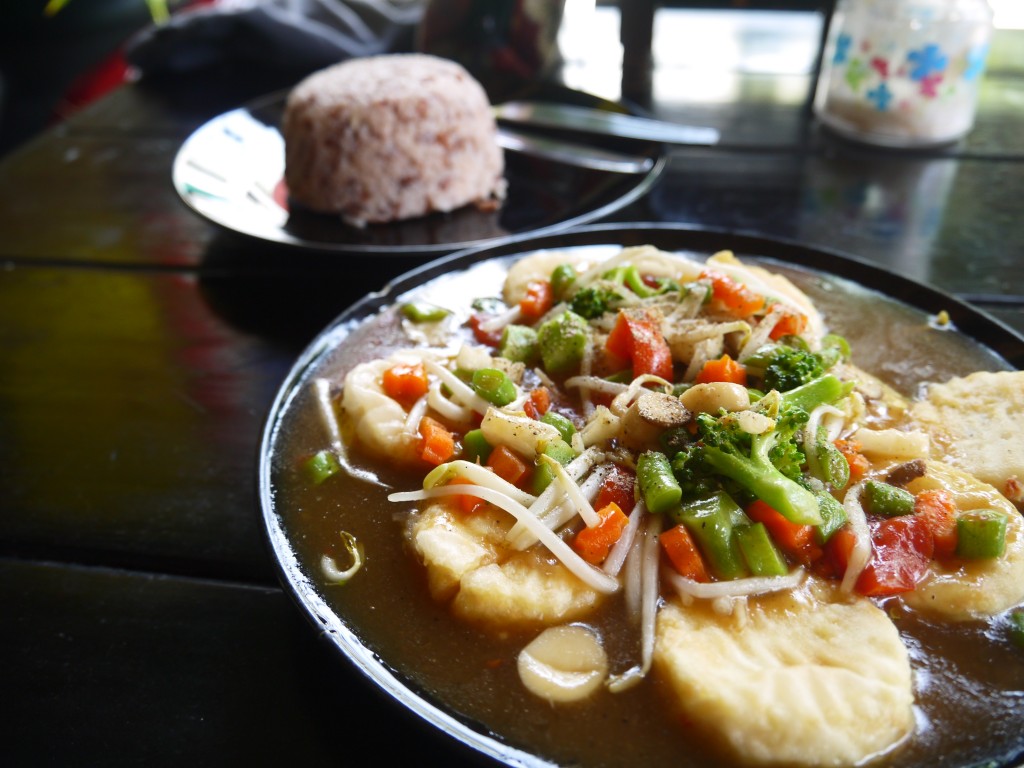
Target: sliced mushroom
<point>563,664</point>
<point>903,473</point>
<point>651,414</point>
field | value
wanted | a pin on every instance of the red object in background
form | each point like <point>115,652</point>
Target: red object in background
<point>110,73</point>
<point>86,88</point>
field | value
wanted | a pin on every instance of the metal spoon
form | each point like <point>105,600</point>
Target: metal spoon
<point>573,153</point>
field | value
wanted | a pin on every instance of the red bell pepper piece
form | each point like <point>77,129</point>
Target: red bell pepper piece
<point>637,337</point>
<point>617,488</point>
<point>903,548</point>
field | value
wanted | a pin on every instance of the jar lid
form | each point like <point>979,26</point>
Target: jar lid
<point>925,11</point>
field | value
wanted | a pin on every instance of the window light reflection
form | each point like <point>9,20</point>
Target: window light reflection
<point>701,56</point>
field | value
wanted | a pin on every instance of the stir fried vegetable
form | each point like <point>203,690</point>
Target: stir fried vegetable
<point>321,465</point>
<point>763,465</point>
<point>562,341</point>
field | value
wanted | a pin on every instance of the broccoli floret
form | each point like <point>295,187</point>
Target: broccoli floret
<point>788,364</point>
<point>785,367</point>
<point>693,475</point>
<point>785,452</point>
<point>594,301</point>
<point>766,465</point>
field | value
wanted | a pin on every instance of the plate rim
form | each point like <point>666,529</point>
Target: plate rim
<point>461,732</point>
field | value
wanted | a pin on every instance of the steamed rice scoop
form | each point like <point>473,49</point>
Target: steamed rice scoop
<point>391,137</point>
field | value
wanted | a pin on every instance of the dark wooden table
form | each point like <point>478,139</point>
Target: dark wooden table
<point>141,622</point>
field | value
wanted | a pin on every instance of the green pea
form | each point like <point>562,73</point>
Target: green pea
<point>320,466</point>
<point>494,386</point>
<point>562,279</point>
<point>422,312</point>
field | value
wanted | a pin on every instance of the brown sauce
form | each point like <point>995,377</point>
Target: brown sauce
<point>969,680</point>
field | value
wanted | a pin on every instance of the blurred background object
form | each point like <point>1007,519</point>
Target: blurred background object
<point>503,43</point>
<point>56,57</point>
<point>51,60</point>
<point>297,36</point>
<point>697,53</point>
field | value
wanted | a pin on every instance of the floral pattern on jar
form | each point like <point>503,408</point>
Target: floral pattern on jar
<point>904,72</point>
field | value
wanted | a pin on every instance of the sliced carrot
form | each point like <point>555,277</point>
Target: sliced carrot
<point>723,369</point>
<point>467,502</point>
<point>538,403</point>
<point>790,324</point>
<point>859,464</point>
<point>793,538</point>
<point>734,296</point>
<point>838,549</point>
<point>594,543</point>
<point>438,444</point>
<point>405,382</point>
<point>939,512</point>
<point>507,465</point>
<point>682,552</point>
<point>538,300</point>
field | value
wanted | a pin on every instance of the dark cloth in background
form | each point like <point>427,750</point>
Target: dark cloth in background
<point>299,36</point>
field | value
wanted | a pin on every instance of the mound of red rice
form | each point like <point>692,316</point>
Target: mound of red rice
<point>391,137</point>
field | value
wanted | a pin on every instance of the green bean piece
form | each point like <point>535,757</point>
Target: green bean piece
<point>832,343</point>
<point>543,474</point>
<point>321,465</point>
<point>887,500</point>
<point>712,522</point>
<point>625,376</point>
<point>562,341</point>
<point>833,517</point>
<point>564,426</point>
<point>475,447</point>
<point>493,386</point>
<point>824,389</point>
<point>755,394</point>
<point>658,486</point>
<point>518,343</point>
<point>562,278</point>
<point>636,283</point>
<point>980,534</point>
<point>492,305</point>
<point>422,312</point>
<point>827,463</point>
<point>759,551</point>
<point>617,274</point>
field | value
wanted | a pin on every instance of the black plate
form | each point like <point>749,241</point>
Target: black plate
<point>230,172</point>
<point>991,342</point>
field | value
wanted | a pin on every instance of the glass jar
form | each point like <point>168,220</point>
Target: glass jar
<point>903,73</point>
